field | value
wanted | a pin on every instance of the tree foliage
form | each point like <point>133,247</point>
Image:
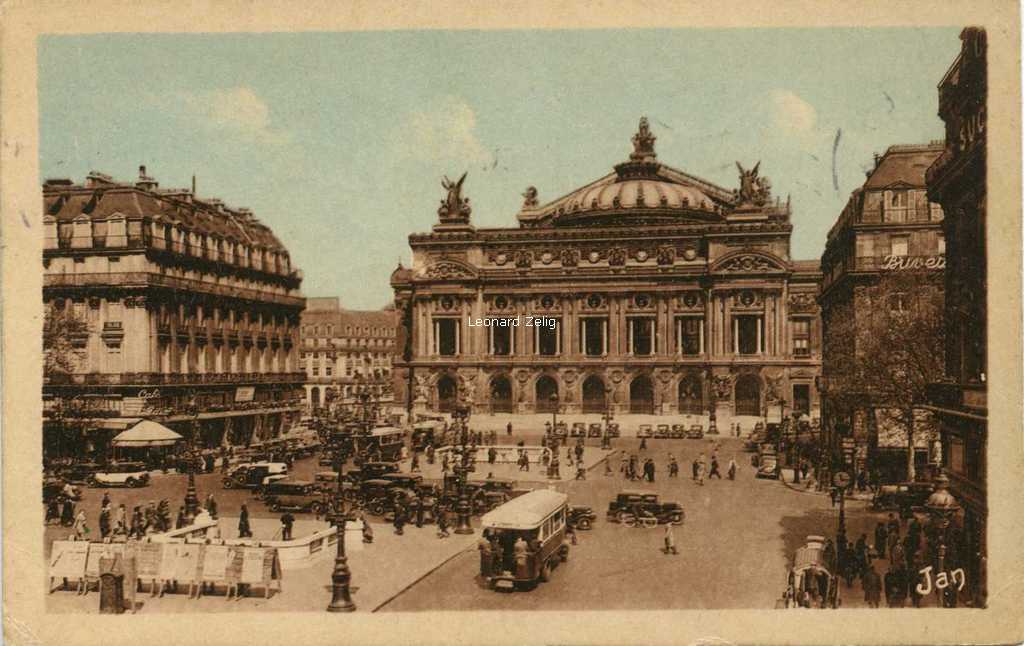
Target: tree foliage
<point>61,328</point>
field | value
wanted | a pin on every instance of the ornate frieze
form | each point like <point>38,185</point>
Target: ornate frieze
<point>748,263</point>
<point>447,270</point>
<point>722,386</point>
<point>692,300</point>
<point>802,303</point>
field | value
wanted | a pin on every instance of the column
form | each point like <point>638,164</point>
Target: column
<point>568,327</point>
<point>760,333</point>
<point>629,337</point>
<point>700,332</point>
<point>735,335</point>
<point>583,336</point>
<point>604,325</point>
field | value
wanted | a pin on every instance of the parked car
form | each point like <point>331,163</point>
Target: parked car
<point>254,475</point>
<point>905,495</point>
<point>623,509</point>
<point>370,470</point>
<point>378,495</point>
<point>403,480</point>
<point>594,430</point>
<point>294,495</point>
<point>581,517</point>
<point>579,429</point>
<point>768,464</point>
<point>695,432</point>
<point>662,431</point>
<point>646,430</point>
<point>80,472</point>
<point>678,432</point>
<point>485,495</point>
<point>121,474</point>
<point>613,429</point>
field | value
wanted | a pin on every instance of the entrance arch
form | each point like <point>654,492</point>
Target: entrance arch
<point>641,396</point>
<point>546,387</point>
<point>447,394</point>
<point>594,398</point>
<point>691,395</point>
<point>748,395</point>
<point>314,397</point>
<point>501,395</point>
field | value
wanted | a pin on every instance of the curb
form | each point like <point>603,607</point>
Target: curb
<point>789,485</point>
<point>421,577</point>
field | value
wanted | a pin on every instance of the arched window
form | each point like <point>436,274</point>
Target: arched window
<point>641,396</point>
<point>691,395</point>
<point>748,395</point>
<point>447,394</point>
<point>594,396</point>
<point>546,391</point>
<point>501,395</point>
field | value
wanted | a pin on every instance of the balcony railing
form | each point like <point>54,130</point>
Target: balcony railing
<point>172,379</point>
<point>145,279</point>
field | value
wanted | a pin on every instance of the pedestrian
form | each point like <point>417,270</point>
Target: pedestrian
<point>67,512</point>
<point>442,524</point>
<point>367,530</point>
<point>53,509</point>
<point>492,455</point>
<point>444,463</point>
<point>581,471</point>
<point>106,500</point>
<point>892,526</point>
<point>805,468</point>
<point>881,541</point>
<point>150,517</point>
<point>211,506</point>
<point>163,515</point>
<point>670,540</point>
<point>650,470</point>
<point>287,521</point>
<point>579,453</point>
<point>696,467</point>
<point>895,594</point>
<point>519,554</point>
<point>643,443</point>
<point>553,470</point>
<point>430,454</point>
<point>673,466</point>
<point>244,531</point>
<point>828,554</point>
<point>508,429</point>
<point>714,468</point>
<point>179,522</point>
<point>486,556</point>
<point>105,520</point>
<point>897,555</point>
<point>80,528</point>
<point>137,527</point>
<point>568,457</point>
<point>872,586</point>
<point>399,522</point>
<point>608,468</point>
<point>701,469</point>
<point>624,464</point>
<point>731,471</point>
<point>415,467</point>
<point>418,509</point>
<point>863,554</point>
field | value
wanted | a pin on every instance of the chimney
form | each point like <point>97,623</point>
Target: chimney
<point>145,182</point>
<point>142,172</point>
<point>878,160</point>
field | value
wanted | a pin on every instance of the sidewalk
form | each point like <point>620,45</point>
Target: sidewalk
<point>809,486</point>
<point>592,457</point>
<point>380,571</point>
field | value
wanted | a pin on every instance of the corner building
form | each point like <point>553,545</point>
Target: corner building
<point>192,311</point>
<point>656,292</point>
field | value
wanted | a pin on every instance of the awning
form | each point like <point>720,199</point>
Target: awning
<point>147,433</point>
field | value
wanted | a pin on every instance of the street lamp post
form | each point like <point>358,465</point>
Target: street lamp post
<point>461,470</point>
<point>191,497</point>
<point>942,507</point>
<point>606,439</point>
<point>341,577</point>
<point>554,417</point>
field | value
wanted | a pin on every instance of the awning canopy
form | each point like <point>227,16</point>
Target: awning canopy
<point>147,433</point>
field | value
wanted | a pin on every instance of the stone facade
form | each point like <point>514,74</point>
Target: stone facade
<point>342,348</point>
<point>192,313</point>
<point>646,291</point>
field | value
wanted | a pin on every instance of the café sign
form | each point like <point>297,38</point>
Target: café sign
<point>913,263</point>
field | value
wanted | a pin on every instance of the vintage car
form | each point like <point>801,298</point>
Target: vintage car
<point>561,429</point>
<point>370,470</point>
<point>426,432</point>
<point>55,488</point>
<point>579,429</point>
<point>254,475</point>
<point>614,430</point>
<point>294,495</point>
<point>581,517</point>
<point>625,508</point>
<point>403,480</point>
<point>811,573</point>
<point>80,472</point>
<point>695,432</point>
<point>768,463</point>
<point>121,474</point>
<point>678,432</point>
<point>662,431</point>
<point>378,495</point>
<point>645,430</point>
<point>905,495</point>
<point>538,518</point>
<point>594,430</point>
<point>485,495</point>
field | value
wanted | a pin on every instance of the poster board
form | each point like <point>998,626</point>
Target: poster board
<point>180,562</point>
<point>216,560</point>
<point>92,563</point>
<point>148,558</point>
<point>252,570</point>
<point>68,559</point>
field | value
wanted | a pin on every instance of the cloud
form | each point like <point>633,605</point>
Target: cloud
<point>239,110</point>
<point>442,132</point>
<point>792,114</point>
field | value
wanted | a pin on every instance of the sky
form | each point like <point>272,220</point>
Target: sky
<point>339,141</point>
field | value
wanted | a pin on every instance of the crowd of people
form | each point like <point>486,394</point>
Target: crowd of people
<point>631,468</point>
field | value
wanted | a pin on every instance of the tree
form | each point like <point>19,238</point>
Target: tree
<point>887,347</point>
<point>61,329</point>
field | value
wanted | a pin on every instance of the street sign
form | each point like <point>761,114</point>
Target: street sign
<point>841,479</point>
